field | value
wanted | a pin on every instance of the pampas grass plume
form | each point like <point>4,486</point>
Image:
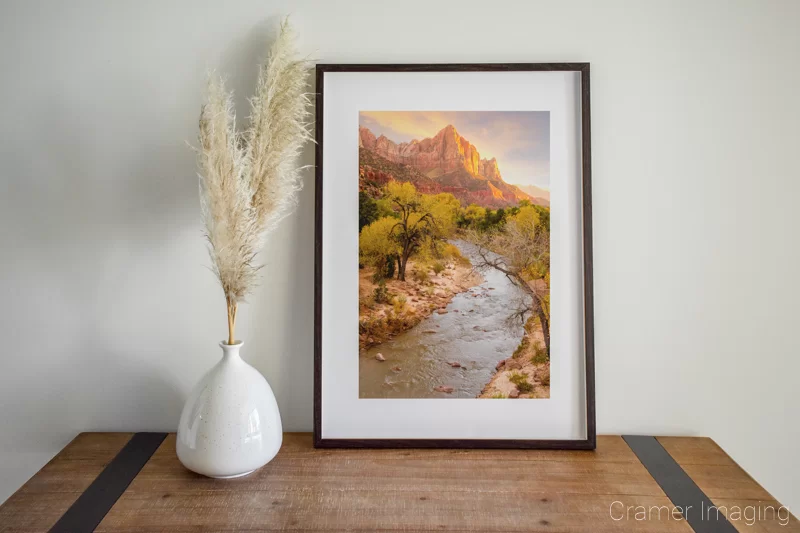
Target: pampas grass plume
<point>249,180</point>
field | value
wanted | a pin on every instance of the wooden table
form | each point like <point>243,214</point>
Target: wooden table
<point>304,489</point>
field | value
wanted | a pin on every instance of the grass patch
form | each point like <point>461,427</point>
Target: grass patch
<point>546,380</point>
<point>540,356</point>
<point>526,341</point>
<point>420,275</point>
<point>381,329</point>
<point>498,396</point>
<point>367,302</point>
<point>376,327</point>
<point>521,381</point>
<point>451,251</point>
<point>399,304</point>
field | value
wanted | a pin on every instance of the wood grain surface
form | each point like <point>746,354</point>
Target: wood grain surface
<point>39,504</point>
<point>305,489</point>
<point>322,490</point>
<point>728,486</point>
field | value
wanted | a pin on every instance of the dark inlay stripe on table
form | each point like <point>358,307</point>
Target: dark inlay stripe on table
<point>92,506</point>
<point>684,493</point>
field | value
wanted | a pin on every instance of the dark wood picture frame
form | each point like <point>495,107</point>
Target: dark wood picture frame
<point>589,443</point>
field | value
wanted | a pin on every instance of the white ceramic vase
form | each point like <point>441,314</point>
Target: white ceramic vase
<point>230,425</point>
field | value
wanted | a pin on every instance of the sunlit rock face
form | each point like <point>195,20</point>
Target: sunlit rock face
<point>447,151</point>
<point>489,169</point>
<point>446,162</point>
<point>366,139</point>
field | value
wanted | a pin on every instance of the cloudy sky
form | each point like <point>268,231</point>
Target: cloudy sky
<point>520,140</point>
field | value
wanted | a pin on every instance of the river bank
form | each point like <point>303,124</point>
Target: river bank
<point>453,351</point>
<point>404,304</point>
<point>526,374</point>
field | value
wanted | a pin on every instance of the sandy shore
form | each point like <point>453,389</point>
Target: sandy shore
<point>409,301</point>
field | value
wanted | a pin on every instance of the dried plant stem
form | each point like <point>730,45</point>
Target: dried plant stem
<point>232,308</point>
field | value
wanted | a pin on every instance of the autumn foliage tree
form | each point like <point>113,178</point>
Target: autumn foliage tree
<point>376,247</point>
<point>415,223</point>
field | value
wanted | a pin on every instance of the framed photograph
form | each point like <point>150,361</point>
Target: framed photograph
<point>453,257</point>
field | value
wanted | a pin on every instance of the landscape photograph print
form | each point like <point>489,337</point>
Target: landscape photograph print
<point>454,254</point>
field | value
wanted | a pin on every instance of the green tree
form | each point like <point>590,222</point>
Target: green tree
<point>472,216</point>
<point>367,210</point>
<point>494,219</point>
<point>544,217</point>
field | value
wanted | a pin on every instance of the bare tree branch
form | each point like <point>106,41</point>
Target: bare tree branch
<point>516,253</point>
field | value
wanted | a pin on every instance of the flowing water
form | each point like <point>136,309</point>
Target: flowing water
<point>474,333</point>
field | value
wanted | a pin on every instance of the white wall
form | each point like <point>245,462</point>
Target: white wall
<point>109,315</point>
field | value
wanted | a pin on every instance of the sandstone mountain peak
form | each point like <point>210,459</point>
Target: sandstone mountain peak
<point>446,162</point>
<point>447,151</point>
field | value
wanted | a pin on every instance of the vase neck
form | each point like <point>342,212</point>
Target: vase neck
<point>230,352</point>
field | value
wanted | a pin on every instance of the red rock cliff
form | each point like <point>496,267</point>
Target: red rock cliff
<point>445,152</point>
<point>450,161</point>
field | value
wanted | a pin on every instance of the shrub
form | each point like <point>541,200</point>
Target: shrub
<point>384,268</point>
<point>397,323</point>
<point>526,341</point>
<point>367,302</point>
<point>381,293</point>
<point>451,251</point>
<point>546,379</point>
<point>498,396</point>
<point>390,266</point>
<point>438,268</point>
<point>379,275</point>
<point>420,275</point>
<point>521,381</point>
<point>373,327</point>
<point>399,304</point>
<point>540,356</point>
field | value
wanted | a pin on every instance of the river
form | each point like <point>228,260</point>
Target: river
<point>474,333</point>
